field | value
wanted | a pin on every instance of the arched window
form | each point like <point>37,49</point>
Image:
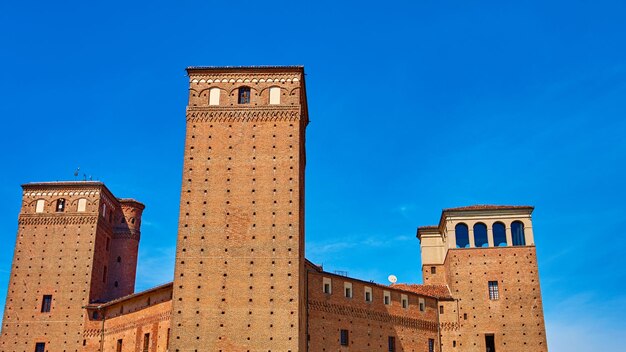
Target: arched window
<point>480,235</point>
<point>244,95</point>
<point>517,232</point>
<point>214,96</point>
<point>499,234</point>
<point>461,233</point>
<point>274,95</point>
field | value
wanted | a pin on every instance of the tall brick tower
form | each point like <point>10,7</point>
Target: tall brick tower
<point>486,255</point>
<point>239,274</point>
<point>76,244</point>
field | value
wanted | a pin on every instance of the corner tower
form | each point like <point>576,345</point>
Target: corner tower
<point>486,255</point>
<point>70,236</point>
<point>239,273</point>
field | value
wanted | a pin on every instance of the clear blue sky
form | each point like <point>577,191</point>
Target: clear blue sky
<point>475,103</point>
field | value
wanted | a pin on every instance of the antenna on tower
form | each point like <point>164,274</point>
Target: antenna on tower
<point>392,278</point>
<point>76,172</point>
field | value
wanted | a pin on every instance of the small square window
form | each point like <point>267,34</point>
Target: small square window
<point>433,270</point>
<point>494,294</point>
<point>440,309</point>
<point>343,338</point>
<point>40,347</point>
<point>387,297</point>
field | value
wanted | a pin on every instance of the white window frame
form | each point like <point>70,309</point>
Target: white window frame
<point>404,300</point>
<point>347,290</point>
<point>327,282</point>
<point>82,205</point>
<point>214,96</point>
<point>387,298</point>
<point>367,290</point>
<point>40,206</point>
<point>274,95</point>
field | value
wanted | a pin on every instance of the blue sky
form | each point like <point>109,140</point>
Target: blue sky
<point>415,106</point>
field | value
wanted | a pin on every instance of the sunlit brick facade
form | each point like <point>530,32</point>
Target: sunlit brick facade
<point>241,280</point>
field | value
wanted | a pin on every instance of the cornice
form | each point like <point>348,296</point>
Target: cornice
<point>283,113</point>
<point>27,219</point>
<point>198,78</point>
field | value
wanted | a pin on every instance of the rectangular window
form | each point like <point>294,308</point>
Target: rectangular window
<point>431,345</point>
<point>490,343</point>
<point>274,95</point>
<point>368,294</point>
<point>146,342</point>
<point>119,346</point>
<point>440,309</point>
<point>433,269</point>
<point>244,95</point>
<point>392,343</point>
<point>60,205</point>
<point>386,298</point>
<point>464,316</point>
<point>347,288</point>
<point>422,305</point>
<point>104,274</point>
<point>46,303</point>
<point>82,204</point>
<point>327,287</point>
<point>493,290</point>
<point>40,347</point>
<point>343,338</point>
<point>405,301</point>
<point>40,205</point>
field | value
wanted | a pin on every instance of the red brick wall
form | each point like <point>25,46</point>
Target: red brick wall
<point>369,323</point>
<point>515,319</point>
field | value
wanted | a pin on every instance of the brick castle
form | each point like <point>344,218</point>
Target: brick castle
<point>242,282</point>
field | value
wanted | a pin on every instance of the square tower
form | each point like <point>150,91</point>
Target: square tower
<point>239,273</point>
<point>76,244</point>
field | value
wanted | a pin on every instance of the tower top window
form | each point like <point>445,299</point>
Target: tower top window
<point>60,205</point>
<point>244,95</point>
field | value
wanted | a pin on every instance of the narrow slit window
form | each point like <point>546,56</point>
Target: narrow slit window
<point>368,294</point>
<point>431,345</point>
<point>146,342</point>
<point>344,338</point>
<point>422,305</point>
<point>119,346</point>
<point>386,298</point>
<point>327,286</point>
<point>405,301</point>
<point>347,288</point>
<point>46,303</point>
<point>391,342</point>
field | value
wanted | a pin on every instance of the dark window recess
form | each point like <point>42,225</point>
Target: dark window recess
<point>440,309</point>
<point>494,294</point>
<point>480,235</point>
<point>46,303</point>
<point>462,235</point>
<point>490,343</point>
<point>244,95</point>
<point>344,338</point>
<point>118,348</point>
<point>431,345</point>
<point>499,234</point>
<point>433,269</point>
<point>422,306</point>
<point>326,288</point>
<point>108,246</point>
<point>464,316</point>
<point>104,274</point>
<point>392,343</point>
<point>40,347</point>
<point>60,205</point>
<point>146,342</point>
<point>517,232</point>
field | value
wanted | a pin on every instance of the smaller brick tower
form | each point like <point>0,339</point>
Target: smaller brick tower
<point>76,244</point>
<point>486,255</point>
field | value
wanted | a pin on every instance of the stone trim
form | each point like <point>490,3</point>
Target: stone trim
<point>57,220</point>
